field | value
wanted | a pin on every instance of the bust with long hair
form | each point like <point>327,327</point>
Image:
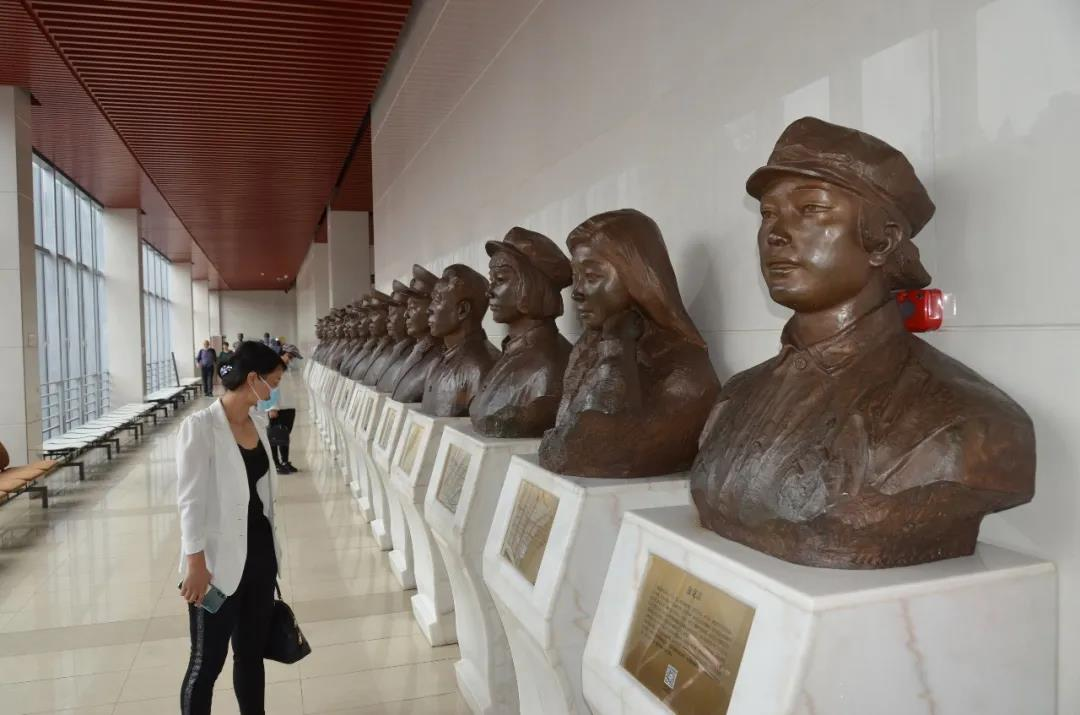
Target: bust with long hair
<point>639,384</point>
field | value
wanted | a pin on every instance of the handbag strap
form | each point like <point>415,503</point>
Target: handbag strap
<point>277,590</point>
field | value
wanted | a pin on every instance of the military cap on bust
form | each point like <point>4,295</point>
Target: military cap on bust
<point>400,293</point>
<point>539,251</point>
<point>421,285</point>
<point>851,159</point>
<point>378,299</point>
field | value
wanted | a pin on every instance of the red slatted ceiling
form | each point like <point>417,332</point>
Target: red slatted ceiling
<point>240,111</point>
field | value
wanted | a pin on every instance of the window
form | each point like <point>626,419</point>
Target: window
<point>157,320</point>
<point>70,294</point>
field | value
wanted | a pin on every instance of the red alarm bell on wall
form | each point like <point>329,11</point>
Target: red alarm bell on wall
<point>922,310</point>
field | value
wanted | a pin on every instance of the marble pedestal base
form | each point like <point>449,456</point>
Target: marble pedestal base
<point>373,501</point>
<point>957,637</point>
<point>466,481</point>
<point>382,450</point>
<point>545,558</point>
<point>410,474</point>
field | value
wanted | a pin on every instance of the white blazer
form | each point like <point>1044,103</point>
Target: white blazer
<point>212,495</point>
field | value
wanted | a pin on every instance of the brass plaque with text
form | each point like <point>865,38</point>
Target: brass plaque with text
<point>453,477</point>
<point>412,445</point>
<point>687,640</point>
<point>530,526</point>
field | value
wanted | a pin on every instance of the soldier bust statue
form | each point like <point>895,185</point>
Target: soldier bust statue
<point>406,384</point>
<point>456,315</point>
<point>395,328</point>
<point>639,384</point>
<point>379,341</point>
<point>360,340</point>
<point>859,445</point>
<point>520,396</point>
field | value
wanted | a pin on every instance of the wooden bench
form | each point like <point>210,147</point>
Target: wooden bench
<point>28,478</point>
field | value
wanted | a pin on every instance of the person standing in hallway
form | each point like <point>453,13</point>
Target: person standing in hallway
<point>225,494</point>
<point>280,414</point>
<point>206,359</point>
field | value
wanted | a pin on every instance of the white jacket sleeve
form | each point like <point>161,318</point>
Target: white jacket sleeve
<point>193,459</point>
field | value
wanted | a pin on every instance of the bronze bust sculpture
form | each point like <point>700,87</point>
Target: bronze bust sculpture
<point>360,340</point>
<point>379,340</point>
<point>639,384</point>
<point>456,315</point>
<point>395,328</point>
<point>859,445</point>
<point>520,395</point>
<point>407,382</point>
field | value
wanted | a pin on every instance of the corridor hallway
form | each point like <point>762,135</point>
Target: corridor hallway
<point>91,623</point>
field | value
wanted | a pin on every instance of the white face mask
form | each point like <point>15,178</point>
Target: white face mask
<point>269,393</point>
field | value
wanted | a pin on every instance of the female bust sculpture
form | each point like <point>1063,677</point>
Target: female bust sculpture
<point>859,445</point>
<point>520,396</point>
<point>639,384</point>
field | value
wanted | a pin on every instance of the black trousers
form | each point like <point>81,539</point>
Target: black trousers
<point>245,619</point>
<point>281,451</point>
<point>208,380</point>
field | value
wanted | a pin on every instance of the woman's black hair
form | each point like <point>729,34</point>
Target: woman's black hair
<point>250,356</point>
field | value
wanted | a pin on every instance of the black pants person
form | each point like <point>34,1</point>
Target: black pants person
<point>280,452</point>
<point>208,380</point>
<point>245,619</point>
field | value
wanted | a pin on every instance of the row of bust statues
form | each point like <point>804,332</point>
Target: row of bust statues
<point>858,446</point>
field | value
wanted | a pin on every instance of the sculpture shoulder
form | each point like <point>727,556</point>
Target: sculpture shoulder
<point>686,368</point>
<point>949,388</point>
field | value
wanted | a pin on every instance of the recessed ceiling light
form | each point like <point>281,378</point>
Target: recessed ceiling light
<point>262,274</point>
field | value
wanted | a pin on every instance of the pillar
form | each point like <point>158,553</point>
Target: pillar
<point>312,295</point>
<point>200,314</point>
<point>123,306</point>
<point>349,241</point>
<point>20,388</point>
<point>183,336</point>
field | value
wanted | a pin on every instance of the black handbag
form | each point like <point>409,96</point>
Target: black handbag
<point>286,643</point>
<point>277,435</point>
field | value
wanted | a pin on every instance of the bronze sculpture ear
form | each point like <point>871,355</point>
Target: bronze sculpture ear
<point>456,314</point>
<point>859,445</point>
<point>520,395</point>
<point>640,368</point>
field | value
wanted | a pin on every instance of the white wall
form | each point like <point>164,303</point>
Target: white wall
<point>200,312</point>
<point>312,295</point>
<point>542,114</point>
<point>254,312</point>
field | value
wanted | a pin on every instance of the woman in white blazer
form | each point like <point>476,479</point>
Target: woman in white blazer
<point>225,493</point>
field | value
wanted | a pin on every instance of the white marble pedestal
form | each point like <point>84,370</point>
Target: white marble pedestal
<point>966,636</point>
<point>545,558</point>
<point>357,443</point>
<point>466,481</point>
<point>410,474</point>
<point>382,450</point>
<point>371,501</point>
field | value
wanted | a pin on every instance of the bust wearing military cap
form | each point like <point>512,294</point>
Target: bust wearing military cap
<point>359,337</point>
<point>520,395</point>
<point>859,445</point>
<point>395,328</point>
<point>406,383</point>
<point>379,341</point>
<point>456,314</point>
<point>351,333</point>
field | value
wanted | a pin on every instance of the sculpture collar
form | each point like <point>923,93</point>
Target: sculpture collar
<point>516,343</point>
<point>473,338</point>
<point>880,325</point>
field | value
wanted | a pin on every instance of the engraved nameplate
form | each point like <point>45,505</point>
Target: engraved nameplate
<point>384,432</point>
<point>453,477</point>
<point>530,526</point>
<point>412,445</point>
<point>687,640</point>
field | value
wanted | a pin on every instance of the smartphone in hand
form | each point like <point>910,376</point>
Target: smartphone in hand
<point>213,599</point>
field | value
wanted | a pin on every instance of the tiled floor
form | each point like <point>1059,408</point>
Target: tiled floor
<point>90,621</point>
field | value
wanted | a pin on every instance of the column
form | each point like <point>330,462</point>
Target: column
<point>214,311</point>
<point>349,241</point>
<point>123,306</point>
<point>200,312</point>
<point>183,337</point>
<point>20,386</point>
